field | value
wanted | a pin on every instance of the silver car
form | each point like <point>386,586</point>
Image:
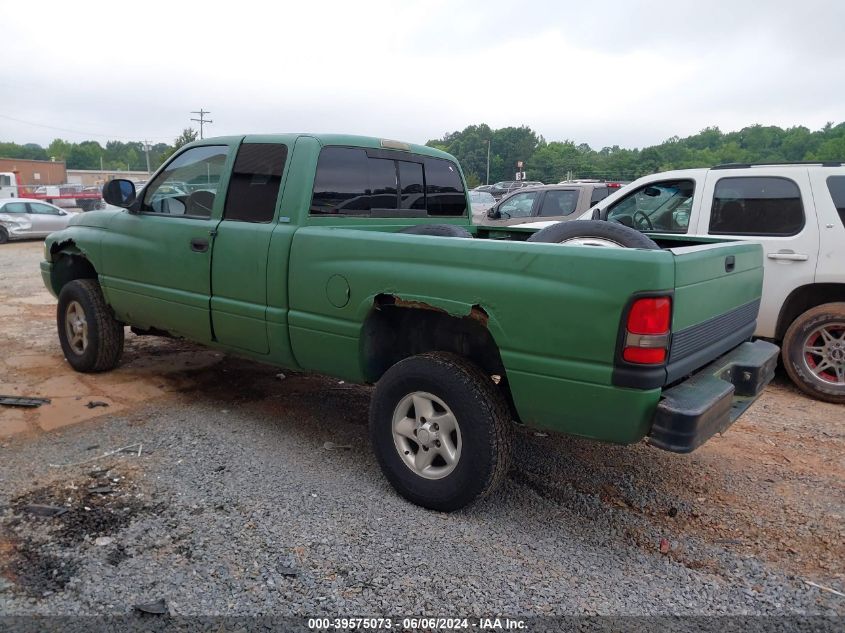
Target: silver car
<point>21,218</point>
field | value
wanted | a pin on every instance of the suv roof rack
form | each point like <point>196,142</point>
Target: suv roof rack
<point>823,163</point>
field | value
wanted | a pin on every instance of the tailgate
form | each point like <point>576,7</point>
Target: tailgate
<point>717,297</point>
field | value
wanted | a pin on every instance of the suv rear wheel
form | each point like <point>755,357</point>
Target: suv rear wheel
<point>441,430</point>
<point>814,352</point>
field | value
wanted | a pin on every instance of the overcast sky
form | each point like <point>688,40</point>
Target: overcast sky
<point>603,73</point>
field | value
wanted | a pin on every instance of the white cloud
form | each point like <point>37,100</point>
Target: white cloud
<point>604,73</point>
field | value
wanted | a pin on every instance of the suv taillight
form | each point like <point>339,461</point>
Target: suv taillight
<point>647,331</point>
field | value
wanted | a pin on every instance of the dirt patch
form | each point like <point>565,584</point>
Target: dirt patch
<point>43,528</point>
<point>33,570</point>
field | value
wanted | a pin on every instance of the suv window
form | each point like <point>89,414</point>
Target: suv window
<point>519,205</point>
<point>598,194</point>
<point>760,205</point>
<point>836,187</point>
<point>168,193</point>
<point>348,182</point>
<point>659,206</point>
<point>255,181</point>
<point>559,202</point>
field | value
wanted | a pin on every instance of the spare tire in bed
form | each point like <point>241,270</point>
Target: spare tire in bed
<point>594,233</point>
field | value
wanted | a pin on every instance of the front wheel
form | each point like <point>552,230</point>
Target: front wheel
<point>814,352</point>
<point>441,430</point>
<point>91,338</point>
<point>4,235</point>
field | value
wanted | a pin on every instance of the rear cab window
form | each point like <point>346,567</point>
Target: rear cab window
<point>353,181</point>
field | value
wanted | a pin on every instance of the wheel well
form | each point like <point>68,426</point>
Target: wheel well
<point>70,266</point>
<point>802,299</point>
<point>393,332</point>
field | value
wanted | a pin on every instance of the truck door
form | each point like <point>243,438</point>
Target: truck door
<point>775,210</point>
<point>239,279</point>
<point>158,258</point>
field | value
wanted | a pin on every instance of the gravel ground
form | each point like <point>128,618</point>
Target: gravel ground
<point>235,506</point>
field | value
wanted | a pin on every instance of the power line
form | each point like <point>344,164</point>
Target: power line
<point>62,129</point>
<point>201,120</point>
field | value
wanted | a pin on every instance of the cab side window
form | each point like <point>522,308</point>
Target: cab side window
<point>188,185</point>
<point>254,185</point>
<point>763,205</point>
<point>662,207</point>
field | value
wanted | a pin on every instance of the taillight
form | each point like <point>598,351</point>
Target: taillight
<point>647,331</point>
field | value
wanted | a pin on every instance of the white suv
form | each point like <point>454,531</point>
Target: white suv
<point>797,212</point>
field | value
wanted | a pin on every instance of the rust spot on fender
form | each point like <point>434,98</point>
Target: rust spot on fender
<point>476,313</point>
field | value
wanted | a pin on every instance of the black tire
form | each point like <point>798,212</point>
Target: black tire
<point>4,235</point>
<point>482,415</point>
<point>104,333</point>
<point>798,364</point>
<point>439,230</point>
<point>608,231</point>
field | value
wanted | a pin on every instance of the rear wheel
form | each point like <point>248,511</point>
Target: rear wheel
<point>441,430</point>
<point>593,233</point>
<point>4,235</point>
<point>91,338</point>
<point>814,352</point>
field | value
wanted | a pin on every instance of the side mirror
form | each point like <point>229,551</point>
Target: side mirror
<point>494,214</point>
<point>119,192</point>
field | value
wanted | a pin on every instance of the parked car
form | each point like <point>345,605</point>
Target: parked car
<point>797,213</point>
<point>480,201</point>
<point>461,335</point>
<point>23,218</point>
<point>503,188</point>
<point>486,188</point>
<point>544,205</point>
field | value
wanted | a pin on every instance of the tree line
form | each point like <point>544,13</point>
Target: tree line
<point>554,161</point>
<point>545,161</point>
<point>115,156</point>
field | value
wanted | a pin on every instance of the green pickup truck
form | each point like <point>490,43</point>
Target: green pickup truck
<point>355,257</point>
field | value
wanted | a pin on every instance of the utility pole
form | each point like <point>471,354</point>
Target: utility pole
<point>488,161</point>
<point>202,120</point>
<point>147,152</point>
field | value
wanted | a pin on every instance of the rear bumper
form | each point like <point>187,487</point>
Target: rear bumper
<point>712,399</point>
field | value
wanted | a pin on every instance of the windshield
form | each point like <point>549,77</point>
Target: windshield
<point>660,206</point>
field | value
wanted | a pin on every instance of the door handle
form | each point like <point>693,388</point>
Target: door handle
<point>199,245</point>
<point>789,255</point>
